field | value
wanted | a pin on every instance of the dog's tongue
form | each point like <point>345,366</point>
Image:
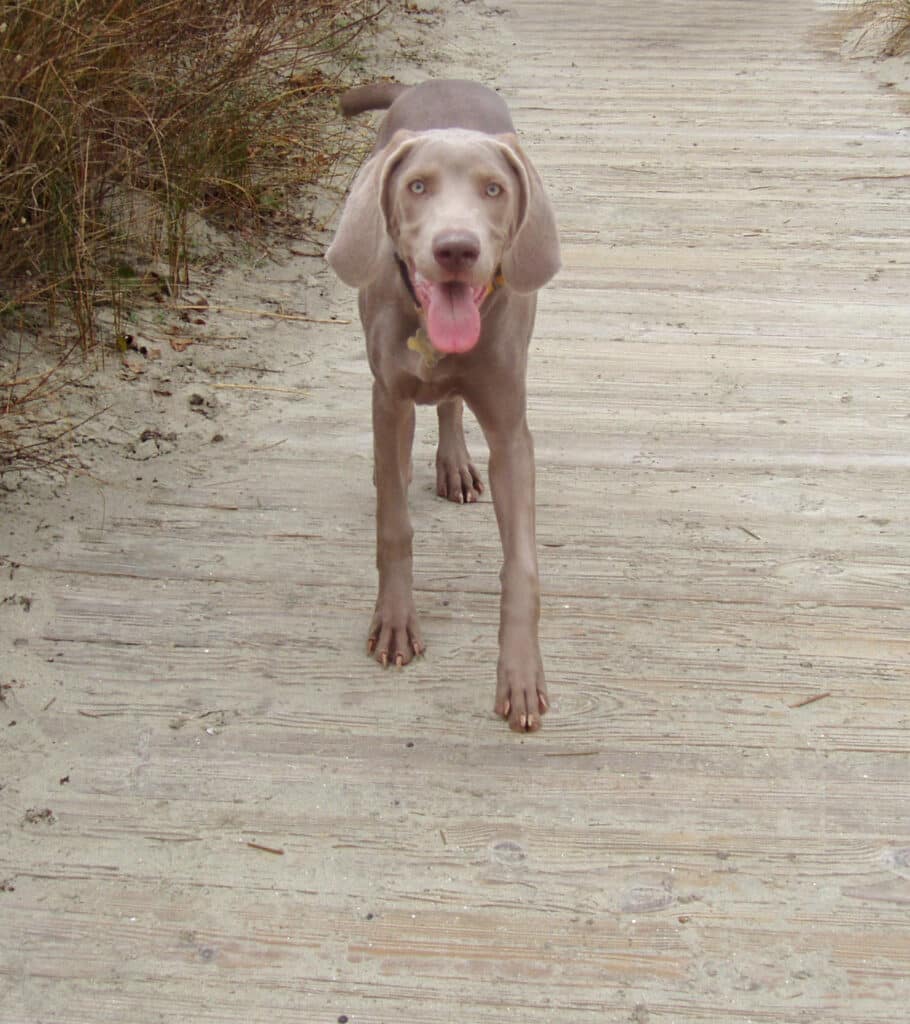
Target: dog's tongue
<point>453,316</point>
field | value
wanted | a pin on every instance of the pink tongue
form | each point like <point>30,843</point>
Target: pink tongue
<point>453,319</point>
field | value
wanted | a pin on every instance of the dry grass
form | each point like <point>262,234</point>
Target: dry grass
<point>894,16</point>
<point>900,40</point>
<point>120,119</point>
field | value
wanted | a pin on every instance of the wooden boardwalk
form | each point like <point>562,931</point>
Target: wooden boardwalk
<point>714,824</point>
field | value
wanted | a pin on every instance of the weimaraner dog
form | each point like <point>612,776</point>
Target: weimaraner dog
<point>448,235</point>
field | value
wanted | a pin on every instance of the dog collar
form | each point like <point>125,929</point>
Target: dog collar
<point>406,277</point>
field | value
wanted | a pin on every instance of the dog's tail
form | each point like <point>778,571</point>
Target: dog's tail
<point>375,96</point>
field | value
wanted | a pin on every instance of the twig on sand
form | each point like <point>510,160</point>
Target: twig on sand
<point>240,311</point>
<point>810,700</point>
<point>266,849</point>
<point>301,392</point>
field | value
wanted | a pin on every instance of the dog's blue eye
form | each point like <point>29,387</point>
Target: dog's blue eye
<point>417,187</point>
<point>494,189</point>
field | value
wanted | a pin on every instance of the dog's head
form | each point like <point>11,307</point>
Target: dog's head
<point>456,206</point>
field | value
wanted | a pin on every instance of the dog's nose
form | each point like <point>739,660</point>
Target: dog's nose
<point>456,251</point>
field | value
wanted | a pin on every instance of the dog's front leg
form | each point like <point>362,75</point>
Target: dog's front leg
<point>456,477</point>
<point>521,693</point>
<point>394,636</point>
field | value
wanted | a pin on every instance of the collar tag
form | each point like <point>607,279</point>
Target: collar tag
<point>421,344</point>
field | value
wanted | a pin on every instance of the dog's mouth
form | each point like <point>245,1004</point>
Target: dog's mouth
<point>452,310</point>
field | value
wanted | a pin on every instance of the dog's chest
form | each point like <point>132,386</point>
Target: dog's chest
<point>428,385</point>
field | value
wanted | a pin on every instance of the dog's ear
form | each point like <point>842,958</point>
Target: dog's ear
<point>355,253</point>
<point>533,256</point>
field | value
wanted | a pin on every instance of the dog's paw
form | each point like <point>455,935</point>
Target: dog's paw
<point>456,478</point>
<point>521,692</point>
<point>394,637</point>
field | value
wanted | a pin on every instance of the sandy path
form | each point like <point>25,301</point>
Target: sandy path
<point>719,402</point>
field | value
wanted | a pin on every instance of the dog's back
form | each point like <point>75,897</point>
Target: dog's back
<point>444,103</point>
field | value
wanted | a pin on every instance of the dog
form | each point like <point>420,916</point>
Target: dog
<point>448,234</point>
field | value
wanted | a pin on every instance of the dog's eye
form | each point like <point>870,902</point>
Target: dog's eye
<point>418,187</point>
<point>494,189</point>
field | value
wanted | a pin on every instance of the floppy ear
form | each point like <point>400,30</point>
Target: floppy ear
<point>355,253</point>
<point>533,257</point>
